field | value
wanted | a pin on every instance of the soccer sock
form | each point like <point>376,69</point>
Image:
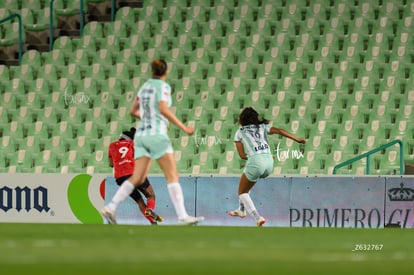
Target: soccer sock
<point>123,192</point>
<point>151,204</point>
<point>177,198</point>
<point>249,205</point>
<point>241,206</point>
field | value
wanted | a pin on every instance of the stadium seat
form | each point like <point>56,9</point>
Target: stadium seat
<point>48,72</point>
<point>96,71</point>
<point>111,43</point>
<point>4,73</point>
<point>10,35</point>
<point>31,57</point>
<point>103,57</point>
<point>119,28</point>
<point>25,72</point>
<point>72,72</point>
<point>93,29</point>
<point>56,56</point>
<point>126,14</point>
<point>43,21</point>
<point>63,43</point>
<point>68,10</point>
<point>86,43</point>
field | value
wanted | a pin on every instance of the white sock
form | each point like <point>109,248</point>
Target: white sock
<point>123,192</point>
<point>177,198</point>
<point>249,205</point>
<point>241,206</point>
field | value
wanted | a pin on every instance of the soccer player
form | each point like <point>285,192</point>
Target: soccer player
<point>152,106</point>
<point>121,158</point>
<point>252,145</point>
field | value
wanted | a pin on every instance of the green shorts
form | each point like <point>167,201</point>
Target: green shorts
<point>153,147</point>
<point>258,166</point>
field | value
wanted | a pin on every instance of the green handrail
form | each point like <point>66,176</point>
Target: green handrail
<point>51,25</point>
<point>81,22</point>
<point>20,42</point>
<point>82,18</point>
<point>368,154</point>
<point>113,10</point>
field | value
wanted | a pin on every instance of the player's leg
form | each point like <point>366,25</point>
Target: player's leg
<point>140,167</point>
<point>146,189</point>
<point>136,196</point>
<point>245,186</point>
<point>169,168</point>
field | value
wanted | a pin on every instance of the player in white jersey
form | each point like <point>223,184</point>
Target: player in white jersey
<point>252,145</point>
<point>152,142</point>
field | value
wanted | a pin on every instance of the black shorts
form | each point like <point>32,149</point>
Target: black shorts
<point>136,193</point>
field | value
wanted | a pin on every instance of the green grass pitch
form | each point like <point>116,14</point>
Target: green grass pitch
<point>128,249</point>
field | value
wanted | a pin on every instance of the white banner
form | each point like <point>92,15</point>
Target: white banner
<point>51,198</point>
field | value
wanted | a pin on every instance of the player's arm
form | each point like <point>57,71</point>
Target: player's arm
<point>111,163</point>
<point>134,110</point>
<point>166,112</point>
<point>240,149</point>
<point>274,130</point>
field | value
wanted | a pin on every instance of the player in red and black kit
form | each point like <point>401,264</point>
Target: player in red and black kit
<point>121,158</point>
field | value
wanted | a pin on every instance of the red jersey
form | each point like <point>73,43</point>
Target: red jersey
<point>122,154</point>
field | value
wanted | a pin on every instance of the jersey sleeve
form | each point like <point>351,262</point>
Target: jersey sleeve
<point>165,93</point>
<point>237,135</point>
<point>267,128</point>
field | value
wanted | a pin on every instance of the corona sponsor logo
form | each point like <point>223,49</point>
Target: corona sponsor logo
<point>24,198</point>
<point>401,193</point>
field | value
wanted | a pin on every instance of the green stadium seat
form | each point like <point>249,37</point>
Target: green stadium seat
<point>11,34</point>
<point>112,86</point>
<point>10,4</point>
<point>184,161</point>
<point>94,29</point>
<point>96,71</point>
<point>64,8</point>
<point>132,85</point>
<point>31,57</point>
<point>79,57</point>
<point>87,43</point>
<point>55,56</point>
<point>111,43</point>
<point>125,14</point>
<point>89,88</point>
<point>48,72</point>
<point>4,73</point>
<point>103,57</point>
<point>134,42</point>
<point>119,28</point>
<point>72,71</point>
<point>63,43</point>
<point>120,71</point>
<point>99,164</point>
<point>25,72</point>
<point>43,21</point>
<point>129,57</point>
